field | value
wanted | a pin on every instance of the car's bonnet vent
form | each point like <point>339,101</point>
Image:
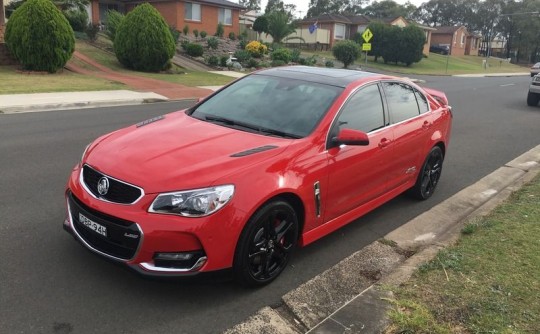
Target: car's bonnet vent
<point>253,151</point>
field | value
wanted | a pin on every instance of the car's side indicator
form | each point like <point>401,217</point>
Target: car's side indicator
<point>411,170</point>
<point>317,192</point>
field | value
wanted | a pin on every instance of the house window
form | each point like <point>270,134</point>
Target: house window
<point>339,32</point>
<point>225,16</point>
<point>193,11</point>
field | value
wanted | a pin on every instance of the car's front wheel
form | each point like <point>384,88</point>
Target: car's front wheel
<point>532,99</point>
<point>266,243</point>
<point>428,178</point>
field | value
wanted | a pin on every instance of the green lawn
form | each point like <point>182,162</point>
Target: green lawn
<point>14,82</point>
<point>436,64</point>
<point>487,283</point>
<point>177,75</point>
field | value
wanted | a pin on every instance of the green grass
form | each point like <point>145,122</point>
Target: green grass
<point>436,64</point>
<point>15,82</point>
<point>487,283</point>
<point>178,75</point>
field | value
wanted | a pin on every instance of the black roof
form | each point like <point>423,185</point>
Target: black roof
<point>328,76</point>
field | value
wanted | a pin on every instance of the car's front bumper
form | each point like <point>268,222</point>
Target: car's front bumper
<point>131,235</point>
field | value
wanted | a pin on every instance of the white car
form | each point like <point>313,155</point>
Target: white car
<point>534,91</point>
<point>535,69</point>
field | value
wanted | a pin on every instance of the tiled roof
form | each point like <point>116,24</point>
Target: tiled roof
<point>446,30</point>
<point>220,3</point>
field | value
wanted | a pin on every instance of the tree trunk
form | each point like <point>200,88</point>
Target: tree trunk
<point>2,13</point>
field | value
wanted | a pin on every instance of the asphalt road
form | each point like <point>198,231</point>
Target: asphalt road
<point>50,284</point>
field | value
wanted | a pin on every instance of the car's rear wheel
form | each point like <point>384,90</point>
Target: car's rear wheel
<point>428,178</point>
<point>266,244</point>
<point>532,99</point>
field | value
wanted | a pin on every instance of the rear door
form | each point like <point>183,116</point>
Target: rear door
<point>411,121</point>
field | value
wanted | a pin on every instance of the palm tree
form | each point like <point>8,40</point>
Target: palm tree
<point>279,26</point>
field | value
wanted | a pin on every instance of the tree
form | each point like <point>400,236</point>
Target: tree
<point>113,19</point>
<point>261,25</point>
<point>392,44</point>
<point>377,42</point>
<point>279,26</point>
<point>251,4</point>
<point>388,9</point>
<point>143,40</point>
<point>346,52</point>
<point>280,6</point>
<point>2,13</point>
<point>39,36</point>
<point>319,7</point>
<point>412,41</point>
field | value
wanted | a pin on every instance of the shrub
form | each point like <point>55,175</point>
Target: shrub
<point>278,62</point>
<point>295,55</point>
<point>232,36</point>
<point>242,55</point>
<point>242,44</point>
<point>256,48</point>
<point>78,19</point>
<point>184,44</point>
<point>92,31</point>
<point>329,63</point>
<point>212,43</point>
<point>309,61</point>
<point>346,52</point>
<point>113,19</point>
<point>175,33</point>
<point>185,30</point>
<point>39,36</point>
<point>412,41</point>
<point>282,54</point>
<point>252,62</point>
<point>203,34</point>
<point>223,61</point>
<point>195,33</point>
<point>213,61</point>
<point>143,40</point>
<point>194,50</point>
<point>219,30</point>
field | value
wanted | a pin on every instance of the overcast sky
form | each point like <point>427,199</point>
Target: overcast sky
<point>303,5</point>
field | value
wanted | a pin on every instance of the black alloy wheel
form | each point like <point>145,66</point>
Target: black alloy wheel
<point>265,246</point>
<point>428,178</point>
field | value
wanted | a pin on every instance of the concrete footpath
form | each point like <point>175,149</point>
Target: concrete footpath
<point>346,298</point>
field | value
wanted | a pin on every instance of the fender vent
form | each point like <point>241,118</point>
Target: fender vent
<point>253,151</point>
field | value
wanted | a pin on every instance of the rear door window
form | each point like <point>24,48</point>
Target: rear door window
<point>401,101</point>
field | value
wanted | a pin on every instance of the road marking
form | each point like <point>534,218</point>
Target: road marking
<point>508,85</point>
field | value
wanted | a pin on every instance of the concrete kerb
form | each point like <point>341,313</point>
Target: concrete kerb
<point>20,103</point>
<point>347,297</point>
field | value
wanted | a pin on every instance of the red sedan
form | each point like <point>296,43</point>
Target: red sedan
<point>279,158</point>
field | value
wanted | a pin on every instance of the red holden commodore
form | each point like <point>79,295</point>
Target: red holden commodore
<point>279,158</point>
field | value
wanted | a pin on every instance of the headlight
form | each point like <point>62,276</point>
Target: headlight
<point>193,203</point>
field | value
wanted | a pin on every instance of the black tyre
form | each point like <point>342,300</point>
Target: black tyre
<point>532,99</point>
<point>266,244</point>
<point>428,178</point>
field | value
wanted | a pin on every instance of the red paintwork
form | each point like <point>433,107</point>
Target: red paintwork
<point>182,153</point>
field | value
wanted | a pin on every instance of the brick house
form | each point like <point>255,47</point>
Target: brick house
<point>454,37</point>
<point>343,27</point>
<point>472,46</point>
<point>203,15</point>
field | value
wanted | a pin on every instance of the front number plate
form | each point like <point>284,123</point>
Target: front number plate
<point>98,228</point>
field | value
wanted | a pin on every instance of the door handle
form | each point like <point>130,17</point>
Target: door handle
<point>384,142</point>
<point>426,125</point>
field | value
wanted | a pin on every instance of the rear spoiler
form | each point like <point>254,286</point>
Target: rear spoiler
<point>438,96</point>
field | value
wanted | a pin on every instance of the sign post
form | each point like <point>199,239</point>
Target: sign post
<point>367,35</point>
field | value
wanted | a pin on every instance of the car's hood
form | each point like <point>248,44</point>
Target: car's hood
<point>179,152</point>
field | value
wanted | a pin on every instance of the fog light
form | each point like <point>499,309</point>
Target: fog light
<point>180,260</point>
<point>173,256</point>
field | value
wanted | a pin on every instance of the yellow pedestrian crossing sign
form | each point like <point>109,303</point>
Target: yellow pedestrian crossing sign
<point>367,35</point>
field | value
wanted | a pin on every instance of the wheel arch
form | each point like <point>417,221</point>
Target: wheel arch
<point>296,202</point>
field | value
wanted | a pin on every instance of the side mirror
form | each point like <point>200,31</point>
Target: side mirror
<point>351,137</point>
